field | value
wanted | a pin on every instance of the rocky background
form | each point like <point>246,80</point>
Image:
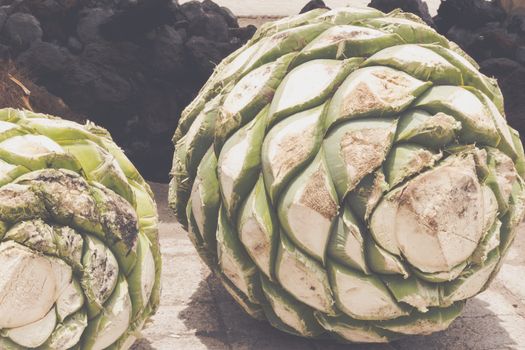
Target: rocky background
<point>133,65</point>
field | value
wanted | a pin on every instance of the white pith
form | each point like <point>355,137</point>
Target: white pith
<point>403,54</point>
<point>357,335</point>
<point>195,128</point>
<point>490,207</point>
<point>506,173</point>
<point>230,167</point>
<point>501,123</point>
<point>68,334</point>
<point>147,269</point>
<point>310,228</point>
<point>463,61</point>
<point>391,263</point>
<point>381,224</point>
<point>36,333</point>
<point>6,126</point>
<point>248,89</point>
<point>255,239</point>
<point>376,88</point>
<point>5,168</point>
<point>362,299</point>
<point>354,244</point>
<point>70,300</point>
<point>31,146</point>
<point>197,204</point>
<point>305,83</point>
<point>238,62</point>
<point>471,285</point>
<point>101,274</point>
<point>115,320</point>
<point>232,268</point>
<point>470,106</point>
<point>291,144</point>
<point>399,20</point>
<point>300,280</point>
<point>29,284</point>
<point>363,148</point>
<point>419,326</point>
<point>347,9</point>
<point>307,223</point>
<point>343,33</point>
<point>435,198</point>
<point>414,162</point>
<point>287,314</point>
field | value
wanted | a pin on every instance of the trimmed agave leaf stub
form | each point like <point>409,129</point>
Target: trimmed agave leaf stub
<point>347,173</point>
<point>79,252</point>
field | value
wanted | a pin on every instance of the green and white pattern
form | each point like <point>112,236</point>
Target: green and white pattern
<point>350,173</point>
<point>79,252</point>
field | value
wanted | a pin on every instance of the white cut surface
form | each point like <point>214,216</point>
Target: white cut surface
<point>410,53</point>
<point>420,326</point>
<point>506,173</point>
<point>363,299</point>
<point>305,83</point>
<point>5,168</point>
<point>305,284</point>
<point>70,300</point>
<point>36,333</point>
<point>6,126</point>
<point>470,106</point>
<point>501,123</point>
<point>238,62</point>
<point>148,272</point>
<point>472,284</point>
<point>232,268</point>
<point>312,212</point>
<point>357,335</point>
<point>248,89</point>
<point>342,33</point>
<point>101,274</point>
<point>382,224</point>
<point>117,321</point>
<point>490,207</point>
<point>310,227</point>
<point>230,167</point>
<point>439,221</point>
<point>31,146</point>
<point>68,334</point>
<point>195,128</point>
<point>354,244</point>
<point>256,242</point>
<point>363,150</point>
<point>291,145</point>
<point>287,314</point>
<point>197,204</point>
<point>29,284</point>
<point>376,88</point>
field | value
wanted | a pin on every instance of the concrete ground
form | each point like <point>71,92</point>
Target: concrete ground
<point>196,312</point>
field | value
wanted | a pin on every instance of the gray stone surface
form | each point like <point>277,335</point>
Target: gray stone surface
<point>197,313</point>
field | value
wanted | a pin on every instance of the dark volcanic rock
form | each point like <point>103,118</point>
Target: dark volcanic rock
<point>511,79</point>
<point>314,4</point>
<point>21,29</point>
<point>89,24</point>
<point>44,60</point>
<point>417,7</point>
<point>467,13</point>
<point>128,65</point>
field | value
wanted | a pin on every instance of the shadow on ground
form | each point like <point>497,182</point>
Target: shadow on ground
<point>478,328</point>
